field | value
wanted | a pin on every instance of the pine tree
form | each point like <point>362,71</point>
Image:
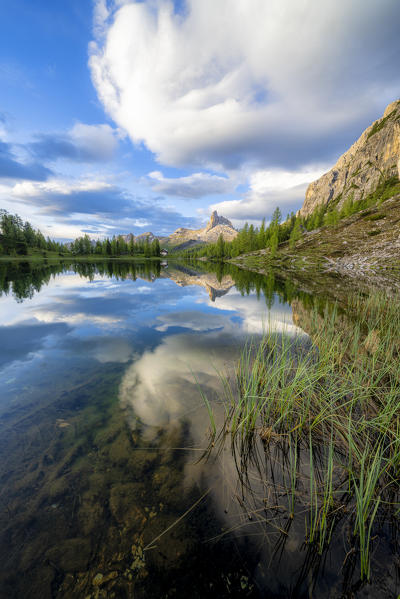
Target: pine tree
<point>261,236</point>
<point>155,247</point>
<point>220,247</point>
<point>273,243</point>
<point>131,245</point>
<point>295,235</point>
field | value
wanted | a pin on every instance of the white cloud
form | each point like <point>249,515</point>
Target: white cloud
<point>33,189</point>
<point>269,189</point>
<point>276,83</point>
<point>196,185</point>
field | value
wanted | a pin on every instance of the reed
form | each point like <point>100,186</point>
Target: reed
<point>337,395</point>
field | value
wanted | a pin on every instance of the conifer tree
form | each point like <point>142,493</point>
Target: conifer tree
<point>220,247</point>
<point>295,235</point>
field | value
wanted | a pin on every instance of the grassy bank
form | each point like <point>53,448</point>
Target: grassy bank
<point>364,244</point>
<point>328,412</point>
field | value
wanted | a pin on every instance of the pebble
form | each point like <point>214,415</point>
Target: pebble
<point>98,579</point>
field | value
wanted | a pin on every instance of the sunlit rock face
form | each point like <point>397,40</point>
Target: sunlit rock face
<point>217,225</point>
<point>373,157</point>
<point>216,220</point>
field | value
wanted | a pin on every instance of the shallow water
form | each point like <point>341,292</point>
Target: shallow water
<point>105,491</point>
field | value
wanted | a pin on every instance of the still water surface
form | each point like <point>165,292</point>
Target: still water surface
<point>104,488</point>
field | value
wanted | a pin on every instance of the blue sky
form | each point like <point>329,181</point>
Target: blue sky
<point>119,116</point>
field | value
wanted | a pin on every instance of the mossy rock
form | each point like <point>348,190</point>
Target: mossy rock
<point>124,502</point>
<point>108,434</point>
<point>91,516</point>
<point>56,488</point>
<point>72,555</point>
<point>120,450</point>
<point>167,484</point>
<point>141,462</point>
<point>172,547</point>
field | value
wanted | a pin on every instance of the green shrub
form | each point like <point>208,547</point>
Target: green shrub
<point>380,124</point>
<point>373,217</point>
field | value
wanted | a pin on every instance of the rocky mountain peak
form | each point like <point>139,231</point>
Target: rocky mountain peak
<point>374,158</point>
<point>217,220</point>
<point>216,226</point>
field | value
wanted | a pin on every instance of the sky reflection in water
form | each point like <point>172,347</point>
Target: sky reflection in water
<point>167,336</point>
<point>157,327</point>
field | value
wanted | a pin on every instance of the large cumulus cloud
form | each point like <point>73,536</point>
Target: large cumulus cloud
<point>223,83</point>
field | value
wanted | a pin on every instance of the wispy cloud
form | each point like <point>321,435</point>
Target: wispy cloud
<point>83,143</point>
<point>96,206</point>
<point>192,186</point>
<point>12,168</point>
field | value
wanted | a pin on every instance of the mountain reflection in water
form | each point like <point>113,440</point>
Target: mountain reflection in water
<point>102,427</point>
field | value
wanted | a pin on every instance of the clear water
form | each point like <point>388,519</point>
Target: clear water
<point>105,491</point>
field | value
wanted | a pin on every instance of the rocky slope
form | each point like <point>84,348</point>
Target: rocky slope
<point>373,157</point>
<point>216,226</point>
<point>364,247</point>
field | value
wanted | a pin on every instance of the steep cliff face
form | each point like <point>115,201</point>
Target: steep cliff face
<point>374,157</point>
<point>216,220</point>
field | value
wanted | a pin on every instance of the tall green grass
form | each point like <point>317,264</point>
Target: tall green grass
<point>332,405</point>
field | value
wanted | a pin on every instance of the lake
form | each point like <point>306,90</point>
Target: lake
<point>112,484</point>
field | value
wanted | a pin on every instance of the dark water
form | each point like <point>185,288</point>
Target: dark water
<point>104,488</point>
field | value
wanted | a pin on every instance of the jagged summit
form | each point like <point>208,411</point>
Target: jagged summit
<point>216,220</point>
<point>216,226</point>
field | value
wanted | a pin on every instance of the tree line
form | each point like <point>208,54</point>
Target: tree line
<point>251,238</point>
<point>117,246</point>
<point>18,237</point>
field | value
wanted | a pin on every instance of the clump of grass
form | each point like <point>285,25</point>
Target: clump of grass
<point>337,397</point>
<point>373,217</point>
<point>378,125</point>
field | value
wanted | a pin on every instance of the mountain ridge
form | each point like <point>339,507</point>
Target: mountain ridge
<point>183,238</point>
